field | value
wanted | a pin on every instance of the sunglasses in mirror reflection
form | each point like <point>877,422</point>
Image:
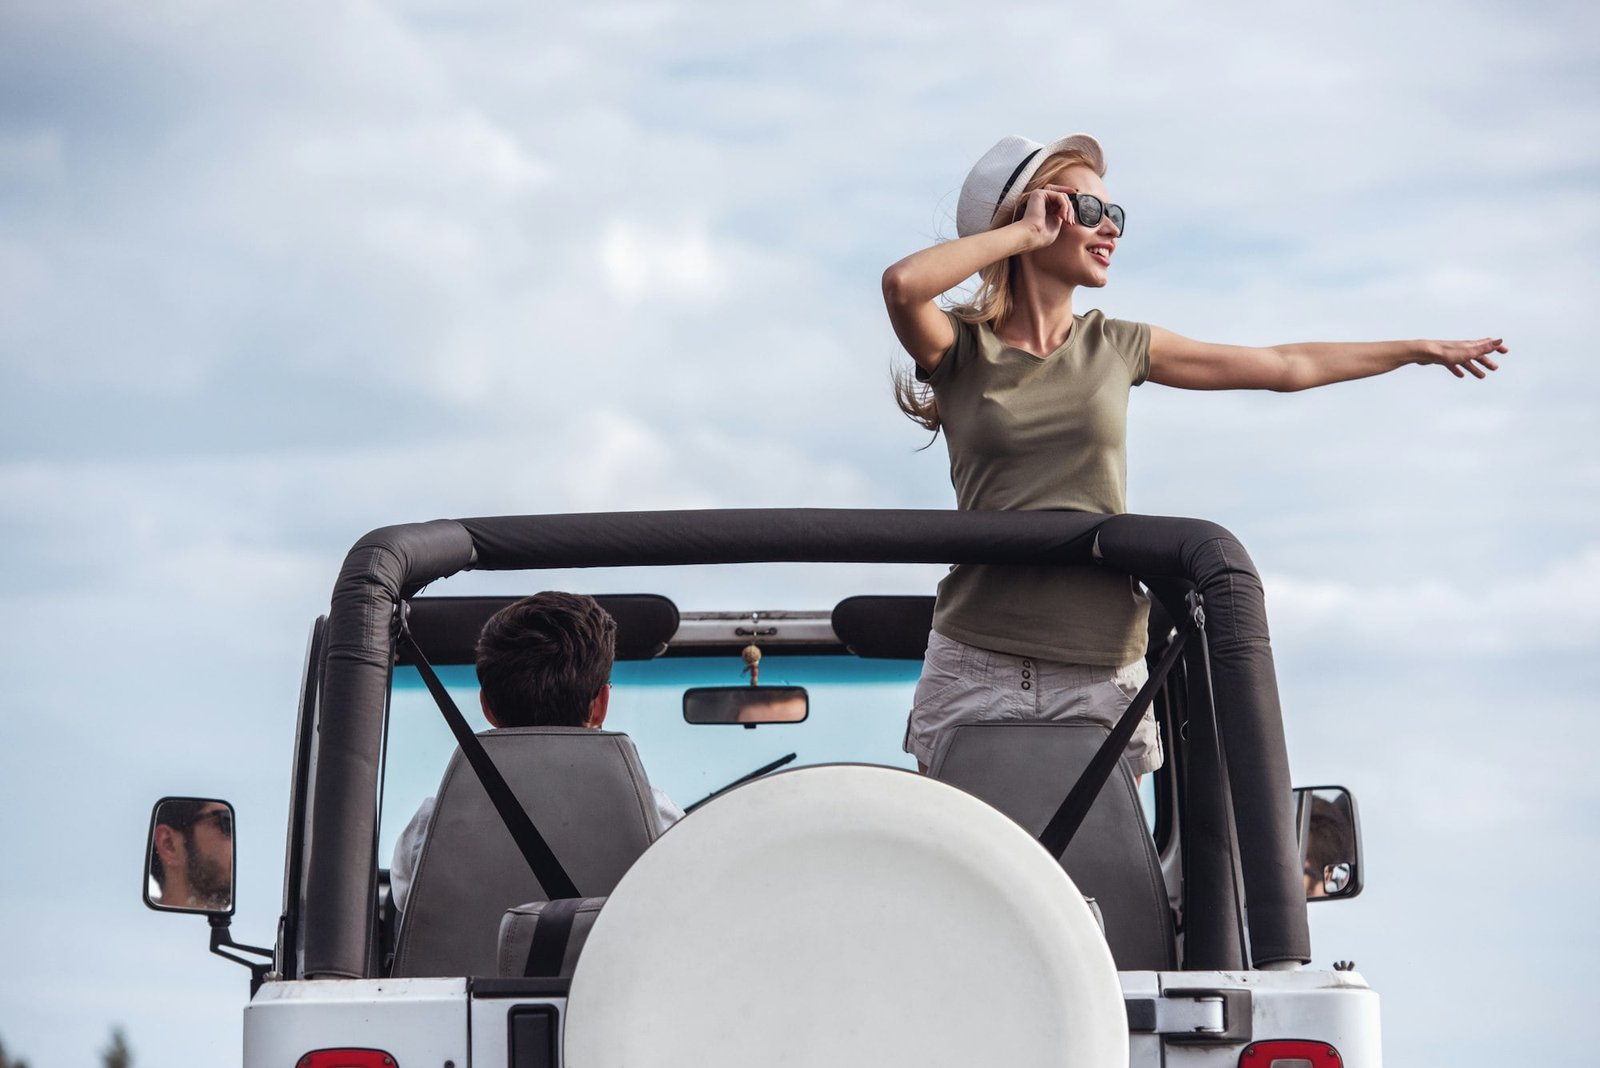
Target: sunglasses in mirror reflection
<point>189,862</point>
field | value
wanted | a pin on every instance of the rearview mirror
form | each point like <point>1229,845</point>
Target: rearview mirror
<point>746,705</point>
<point>1330,842</point>
<point>188,861</point>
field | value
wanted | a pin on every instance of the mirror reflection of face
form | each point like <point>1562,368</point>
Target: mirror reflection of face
<point>746,705</point>
<point>1329,847</point>
<point>192,865</point>
<point>778,710</point>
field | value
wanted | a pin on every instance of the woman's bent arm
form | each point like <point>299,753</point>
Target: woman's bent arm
<point>1188,364</point>
<point>910,286</point>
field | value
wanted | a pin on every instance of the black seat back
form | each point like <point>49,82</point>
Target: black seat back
<point>589,797</point>
<point>1025,769</point>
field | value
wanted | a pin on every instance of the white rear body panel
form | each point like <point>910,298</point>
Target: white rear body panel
<point>432,1022</point>
<point>416,1021</point>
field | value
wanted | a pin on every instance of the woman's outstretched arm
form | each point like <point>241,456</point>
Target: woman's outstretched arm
<point>1188,364</point>
<point>911,286</point>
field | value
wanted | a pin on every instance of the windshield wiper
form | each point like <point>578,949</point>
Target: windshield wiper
<point>741,780</point>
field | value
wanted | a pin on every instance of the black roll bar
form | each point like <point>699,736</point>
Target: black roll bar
<point>1171,556</point>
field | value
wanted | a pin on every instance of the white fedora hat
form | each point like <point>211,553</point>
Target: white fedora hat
<point>994,185</point>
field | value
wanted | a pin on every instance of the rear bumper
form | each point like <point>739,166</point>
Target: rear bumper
<point>1176,1019</point>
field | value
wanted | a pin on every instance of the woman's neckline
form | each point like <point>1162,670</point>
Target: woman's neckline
<point>1072,334</point>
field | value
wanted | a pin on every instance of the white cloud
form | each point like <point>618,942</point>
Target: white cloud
<point>1555,609</point>
<point>663,263</point>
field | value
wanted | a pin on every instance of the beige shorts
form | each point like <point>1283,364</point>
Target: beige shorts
<point>961,683</point>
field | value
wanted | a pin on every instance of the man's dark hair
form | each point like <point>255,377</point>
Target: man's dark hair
<point>542,660</point>
<point>1330,840</point>
<point>180,815</point>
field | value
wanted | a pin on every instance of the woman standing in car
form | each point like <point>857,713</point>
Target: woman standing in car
<point>1033,399</point>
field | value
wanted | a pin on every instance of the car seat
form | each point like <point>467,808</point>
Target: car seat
<point>1024,769</point>
<point>587,794</point>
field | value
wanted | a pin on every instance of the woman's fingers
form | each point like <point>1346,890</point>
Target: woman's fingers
<point>1054,199</point>
<point>1042,216</point>
<point>1058,209</point>
<point>1462,358</point>
<point>1063,206</point>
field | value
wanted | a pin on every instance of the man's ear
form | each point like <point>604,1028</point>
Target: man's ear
<point>169,845</point>
<point>598,708</point>
<point>488,713</point>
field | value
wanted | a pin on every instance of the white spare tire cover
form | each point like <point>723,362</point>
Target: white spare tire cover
<point>845,915</point>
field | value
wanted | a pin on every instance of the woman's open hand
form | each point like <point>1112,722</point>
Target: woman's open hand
<point>1045,212</point>
<point>1462,358</point>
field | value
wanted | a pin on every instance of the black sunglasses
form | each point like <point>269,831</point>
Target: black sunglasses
<point>1090,209</point>
<point>221,816</point>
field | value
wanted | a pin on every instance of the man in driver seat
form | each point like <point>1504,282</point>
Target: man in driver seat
<point>543,661</point>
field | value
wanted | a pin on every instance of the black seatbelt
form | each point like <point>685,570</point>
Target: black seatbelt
<point>547,949</point>
<point>535,850</point>
<point>1069,817</point>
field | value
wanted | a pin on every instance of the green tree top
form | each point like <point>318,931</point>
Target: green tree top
<point>117,1054</point>
<point>7,1062</point>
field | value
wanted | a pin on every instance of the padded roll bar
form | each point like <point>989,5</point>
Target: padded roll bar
<point>1171,556</point>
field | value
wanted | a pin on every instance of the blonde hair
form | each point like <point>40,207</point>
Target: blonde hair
<point>991,301</point>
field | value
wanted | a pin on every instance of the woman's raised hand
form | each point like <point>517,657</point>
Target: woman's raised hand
<point>1462,358</point>
<point>911,287</point>
<point>1045,212</point>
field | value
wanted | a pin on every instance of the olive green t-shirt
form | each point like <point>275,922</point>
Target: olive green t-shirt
<point>1032,434</point>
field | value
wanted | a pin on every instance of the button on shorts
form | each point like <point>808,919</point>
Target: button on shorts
<point>961,683</point>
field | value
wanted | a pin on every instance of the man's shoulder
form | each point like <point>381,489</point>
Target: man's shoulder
<point>666,808</point>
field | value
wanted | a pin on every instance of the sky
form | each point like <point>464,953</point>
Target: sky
<point>272,275</point>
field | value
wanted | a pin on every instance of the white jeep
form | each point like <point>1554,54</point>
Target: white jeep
<point>1025,902</point>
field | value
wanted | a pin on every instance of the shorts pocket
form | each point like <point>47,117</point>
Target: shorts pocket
<point>942,669</point>
<point>1131,678</point>
<point>1106,693</point>
<point>954,676</point>
<point>1143,754</point>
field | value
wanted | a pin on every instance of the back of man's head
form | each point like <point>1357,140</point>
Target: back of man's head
<point>543,660</point>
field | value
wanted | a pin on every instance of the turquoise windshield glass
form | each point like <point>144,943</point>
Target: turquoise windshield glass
<point>858,714</point>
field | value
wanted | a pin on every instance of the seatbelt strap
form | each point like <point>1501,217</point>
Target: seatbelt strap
<point>1069,817</point>
<point>547,950</point>
<point>535,850</point>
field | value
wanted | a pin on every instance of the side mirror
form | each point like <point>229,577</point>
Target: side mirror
<point>188,860</point>
<point>1330,842</point>
<point>746,705</point>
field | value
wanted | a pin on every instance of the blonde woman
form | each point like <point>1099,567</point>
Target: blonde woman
<point>1032,397</point>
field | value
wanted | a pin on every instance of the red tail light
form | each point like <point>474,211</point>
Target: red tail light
<point>1292,1053</point>
<point>346,1058</point>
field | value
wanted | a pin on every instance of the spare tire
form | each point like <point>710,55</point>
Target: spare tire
<point>845,915</point>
